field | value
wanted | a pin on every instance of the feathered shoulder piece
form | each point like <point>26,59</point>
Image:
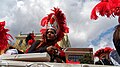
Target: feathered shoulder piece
<point>4,36</point>
<point>102,51</point>
<point>56,20</point>
<point>106,8</point>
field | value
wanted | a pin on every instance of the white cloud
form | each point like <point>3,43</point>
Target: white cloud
<point>25,15</point>
<point>82,36</point>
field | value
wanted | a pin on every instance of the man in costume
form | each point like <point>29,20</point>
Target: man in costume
<point>55,28</point>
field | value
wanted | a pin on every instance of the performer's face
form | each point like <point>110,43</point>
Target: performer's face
<point>51,34</point>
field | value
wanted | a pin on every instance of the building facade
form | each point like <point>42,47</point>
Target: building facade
<point>21,44</point>
<point>82,55</point>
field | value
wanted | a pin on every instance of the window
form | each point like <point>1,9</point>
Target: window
<point>20,43</point>
<point>75,57</point>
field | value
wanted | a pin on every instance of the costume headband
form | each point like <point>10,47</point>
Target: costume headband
<point>56,20</point>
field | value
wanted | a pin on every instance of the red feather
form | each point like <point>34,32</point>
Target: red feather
<point>4,36</point>
<point>106,8</point>
<point>101,51</point>
<point>104,0</point>
<point>60,19</point>
<point>43,30</point>
<point>44,21</point>
<point>93,14</point>
<point>107,49</point>
<point>102,8</point>
<point>62,53</point>
<point>31,41</point>
<point>72,62</point>
<point>52,20</point>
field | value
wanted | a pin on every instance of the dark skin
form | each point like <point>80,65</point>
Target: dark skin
<point>48,45</point>
<point>116,38</point>
<point>51,36</point>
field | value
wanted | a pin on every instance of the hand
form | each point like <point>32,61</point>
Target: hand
<point>49,48</point>
<point>52,49</point>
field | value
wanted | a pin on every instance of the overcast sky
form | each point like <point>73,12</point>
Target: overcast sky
<point>24,16</point>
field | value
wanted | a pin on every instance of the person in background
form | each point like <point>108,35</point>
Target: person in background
<point>103,55</point>
<point>115,55</point>
<point>30,39</point>
<point>116,39</point>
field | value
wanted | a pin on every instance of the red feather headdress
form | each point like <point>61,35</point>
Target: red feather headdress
<point>106,8</point>
<point>4,36</point>
<point>102,51</point>
<point>56,20</point>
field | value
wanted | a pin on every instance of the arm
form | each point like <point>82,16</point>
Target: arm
<point>35,49</point>
<point>42,49</point>
<point>62,53</point>
<point>46,48</point>
<point>32,49</point>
